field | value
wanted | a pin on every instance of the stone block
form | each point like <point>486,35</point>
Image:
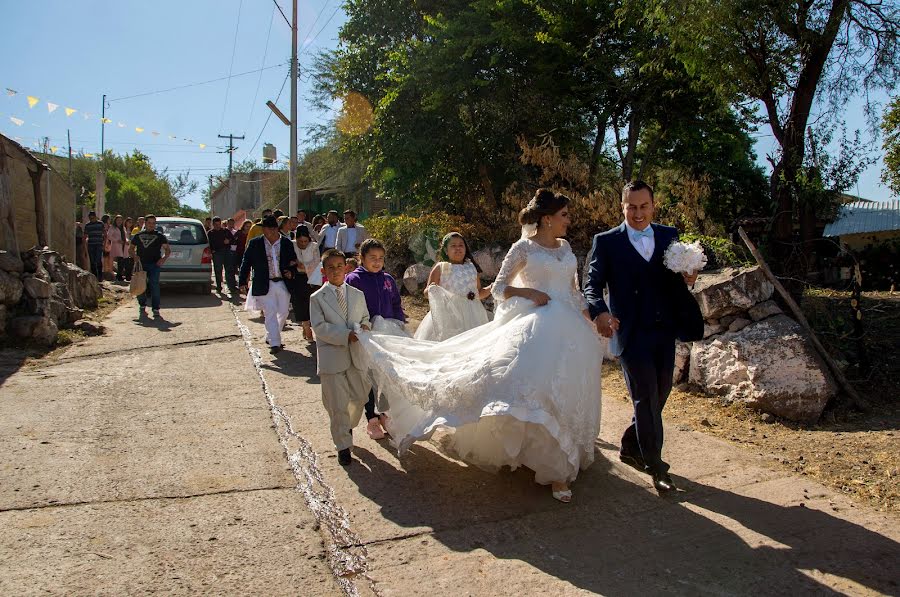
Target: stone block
<point>731,291</point>
<point>10,262</point>
<point>38,328</point>
<point>738,324</point>
<point>770,365</point>
<point>11,288</point>
<point>764,310</point>
<point>415,277</point>
<point>36,287</point>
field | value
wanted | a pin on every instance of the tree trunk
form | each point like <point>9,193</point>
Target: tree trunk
<point>634,132</point>
<point>40,211</point>
<point>602,120</point>
<point>487,186</point>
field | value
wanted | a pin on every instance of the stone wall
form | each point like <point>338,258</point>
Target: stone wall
<point>57,197</point>
<point>751,351</point>
<point>41,293</point>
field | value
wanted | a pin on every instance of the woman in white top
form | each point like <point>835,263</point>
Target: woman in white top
<point>309,261</point>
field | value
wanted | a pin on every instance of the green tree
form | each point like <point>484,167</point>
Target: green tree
<point>890,126</point>
<point>785,55</point>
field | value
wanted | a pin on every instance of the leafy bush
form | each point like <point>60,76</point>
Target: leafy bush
<point>405,236</point>
<point>720,252</point>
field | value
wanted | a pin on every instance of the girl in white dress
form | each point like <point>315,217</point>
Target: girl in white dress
<point>521,390</point>
<point>454,293</point>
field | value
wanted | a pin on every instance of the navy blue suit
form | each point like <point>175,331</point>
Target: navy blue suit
<point>654,307</point>
<point>255,259</point>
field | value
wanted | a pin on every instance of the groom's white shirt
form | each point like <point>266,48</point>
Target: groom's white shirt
<point>644,245</point>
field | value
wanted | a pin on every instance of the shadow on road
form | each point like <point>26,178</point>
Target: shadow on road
<point>158,323</point>
<point>293,364</point>
<point>617,538</point>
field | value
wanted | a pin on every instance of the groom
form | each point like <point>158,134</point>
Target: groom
<point>649,307</point>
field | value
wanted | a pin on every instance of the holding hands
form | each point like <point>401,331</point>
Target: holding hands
<point>606,324</point>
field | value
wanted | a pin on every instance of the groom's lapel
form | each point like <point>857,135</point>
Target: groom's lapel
<point>659,243</point>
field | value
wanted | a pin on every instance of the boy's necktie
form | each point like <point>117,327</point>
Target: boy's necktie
<point>342,301</point>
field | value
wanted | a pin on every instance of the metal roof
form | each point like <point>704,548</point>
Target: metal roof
<point>861,217</point>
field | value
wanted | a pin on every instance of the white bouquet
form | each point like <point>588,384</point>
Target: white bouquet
<point>685,258</point>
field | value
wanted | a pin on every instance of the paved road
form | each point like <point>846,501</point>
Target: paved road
<point>181,457</point>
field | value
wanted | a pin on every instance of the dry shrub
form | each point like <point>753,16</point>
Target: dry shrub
<point>592,210</point>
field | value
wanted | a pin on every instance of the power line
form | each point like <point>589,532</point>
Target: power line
<point>259,80</point>
<point>249,72</point>
<point>266,123</point>
<point>284,16</point>
<point>237,27</point>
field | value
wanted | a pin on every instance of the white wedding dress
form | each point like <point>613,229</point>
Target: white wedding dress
<point>521,390</point>
<point>451,311</point>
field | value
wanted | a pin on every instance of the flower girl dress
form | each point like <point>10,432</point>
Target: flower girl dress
<point>452,310</point>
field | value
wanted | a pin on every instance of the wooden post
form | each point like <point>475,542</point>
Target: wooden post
<point>40,210</point>
<point>8,240</point>
<point>857,400</point>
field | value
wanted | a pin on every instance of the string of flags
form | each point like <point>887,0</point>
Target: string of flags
<point>52,107</point>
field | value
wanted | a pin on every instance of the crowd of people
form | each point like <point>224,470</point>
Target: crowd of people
<point>520,389</point>
<point>102,246</point>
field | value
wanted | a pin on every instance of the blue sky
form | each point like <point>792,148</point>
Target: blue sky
<point>71,53</point>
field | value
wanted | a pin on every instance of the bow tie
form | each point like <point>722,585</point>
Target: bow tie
<point>646,232</point>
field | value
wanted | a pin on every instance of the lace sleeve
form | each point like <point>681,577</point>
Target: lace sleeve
<point>512,265</point>
<point>578,300</point>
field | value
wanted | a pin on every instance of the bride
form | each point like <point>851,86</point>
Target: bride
<point>521,390</point>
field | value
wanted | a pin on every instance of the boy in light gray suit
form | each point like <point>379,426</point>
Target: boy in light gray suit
<point>337,312</point>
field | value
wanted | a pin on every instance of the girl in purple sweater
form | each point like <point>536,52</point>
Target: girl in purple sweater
<point>382,298</point>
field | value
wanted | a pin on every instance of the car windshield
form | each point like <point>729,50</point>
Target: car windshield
<point>183,233</point>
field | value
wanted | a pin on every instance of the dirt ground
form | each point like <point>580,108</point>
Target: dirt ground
<point>852,452</point>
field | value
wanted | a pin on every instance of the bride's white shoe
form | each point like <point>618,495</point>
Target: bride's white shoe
<point>562,495</point>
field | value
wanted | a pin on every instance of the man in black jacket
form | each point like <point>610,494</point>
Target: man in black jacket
<point>273,260</point>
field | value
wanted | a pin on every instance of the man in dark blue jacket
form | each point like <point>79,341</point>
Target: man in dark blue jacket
<point>649,307</point>
<point>273,260</point>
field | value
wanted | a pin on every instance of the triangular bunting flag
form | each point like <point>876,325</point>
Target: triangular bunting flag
<point>53,148</point>
<point>173,137</point>
<point>154,133</point>
<point>70,111</point>
<point>121,125</point>
<point>32,101</point>
<point>105,120</point>
<point>88,155</point>
<point>87,115</point>
<point>11,92</point>
<point>51,107</point>
<point>17,121</point>
<point>203,146</point>
<point>138,129</point>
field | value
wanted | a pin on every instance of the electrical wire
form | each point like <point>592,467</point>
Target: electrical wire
<point>284,16</point>
<point>259,80</point>
<point>249,72</point>
<point>237,27</point>
<point>266,123</point>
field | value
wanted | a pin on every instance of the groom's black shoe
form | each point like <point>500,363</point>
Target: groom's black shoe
<point>344,458</point>
<point>635,461</point>
<point>663,482</point>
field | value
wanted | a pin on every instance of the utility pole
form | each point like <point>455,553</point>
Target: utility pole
<point>69,139</point>
<point>231,149</point>
<point>103,126</point>
<point>292,168</point>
